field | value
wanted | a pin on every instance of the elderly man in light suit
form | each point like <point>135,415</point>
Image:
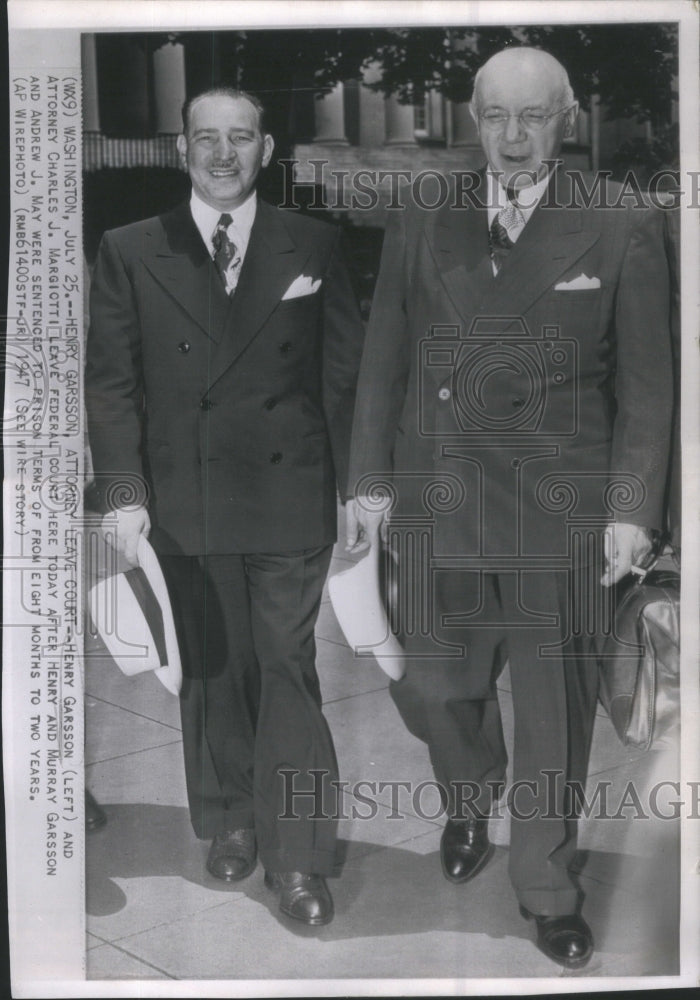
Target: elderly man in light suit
<point>222,360</point>
<point>518,358</point>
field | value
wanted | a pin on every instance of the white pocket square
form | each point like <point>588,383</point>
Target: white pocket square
<point>581,281</point>
<point>303,285</point>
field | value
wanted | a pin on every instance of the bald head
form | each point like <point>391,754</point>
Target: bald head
<point>520,68</point>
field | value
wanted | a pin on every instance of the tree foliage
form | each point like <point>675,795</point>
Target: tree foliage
<point>632,66</point>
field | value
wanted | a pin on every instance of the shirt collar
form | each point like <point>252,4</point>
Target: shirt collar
<point>527,199</point>
<point>206,218</point>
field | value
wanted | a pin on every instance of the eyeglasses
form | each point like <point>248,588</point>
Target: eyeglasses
<point>532,121</point>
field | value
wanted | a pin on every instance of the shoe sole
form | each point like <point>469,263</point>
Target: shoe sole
<point>481,864</point>
<point>314,922</point>
<point>231,878</point>
<point>573,963</point>
<point>564,963</point>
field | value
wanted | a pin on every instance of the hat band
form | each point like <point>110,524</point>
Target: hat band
<point>148,602</point>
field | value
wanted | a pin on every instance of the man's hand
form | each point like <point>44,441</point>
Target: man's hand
<point>125,526</point>
<point>624,546</point>
<point>364,522</point>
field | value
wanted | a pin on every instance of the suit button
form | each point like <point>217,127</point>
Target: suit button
<point>270,403</point>
<point>276,457</point>
<point>205,404</point>
<point>184,347</point>
<point>444,393</point>
<point>518,402</point>
<point>286,347</point>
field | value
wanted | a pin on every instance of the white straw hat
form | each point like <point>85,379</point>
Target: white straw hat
<point>360,608</point>
<point>131,613</point>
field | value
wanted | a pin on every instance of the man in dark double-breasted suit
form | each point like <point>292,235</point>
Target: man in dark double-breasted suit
<point>222,359</point>
<point>514,402</point>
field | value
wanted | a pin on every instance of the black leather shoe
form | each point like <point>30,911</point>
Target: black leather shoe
<point>95,816</point>
<point>566,940</point>
<point>303,897</point>
<point>464,848</point>
<point>232,855</point>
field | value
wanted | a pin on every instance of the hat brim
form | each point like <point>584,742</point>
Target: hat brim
<point>357,602</point>
<point>170,675</point>
<point>123,624</point>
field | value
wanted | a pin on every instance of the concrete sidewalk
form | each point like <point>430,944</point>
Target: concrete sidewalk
<point>155,913</point>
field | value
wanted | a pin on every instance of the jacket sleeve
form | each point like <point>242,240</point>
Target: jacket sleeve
<point>643,377</point>
<point>114,383</point>
<point>343,336</point>
<point>385,363</point>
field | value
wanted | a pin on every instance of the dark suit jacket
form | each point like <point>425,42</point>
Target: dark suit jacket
<point>524,399</point>
<point>673,250</point>
<point>237,413</point>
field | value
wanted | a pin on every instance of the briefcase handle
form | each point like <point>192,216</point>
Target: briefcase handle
<point>660,545</point>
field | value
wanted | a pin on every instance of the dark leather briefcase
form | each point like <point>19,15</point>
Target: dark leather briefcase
<point>640,660</point>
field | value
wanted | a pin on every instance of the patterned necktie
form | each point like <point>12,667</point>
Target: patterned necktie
<point>504,231</point>
<point>226,255</point>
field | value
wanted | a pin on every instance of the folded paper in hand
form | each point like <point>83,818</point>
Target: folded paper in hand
<point>358,606</point>
<point>580,283</point>
<point>303,285</point>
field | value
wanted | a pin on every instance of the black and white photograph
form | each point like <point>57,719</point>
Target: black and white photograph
<point>351,424</point>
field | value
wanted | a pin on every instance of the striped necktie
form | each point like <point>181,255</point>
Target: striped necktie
<point>226,255</point>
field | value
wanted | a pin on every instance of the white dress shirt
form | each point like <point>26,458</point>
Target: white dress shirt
<point>526,202</point>
<point>206,219</point>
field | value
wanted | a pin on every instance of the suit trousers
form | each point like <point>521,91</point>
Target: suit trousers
<point>451,704</point>
<point>256,744</point>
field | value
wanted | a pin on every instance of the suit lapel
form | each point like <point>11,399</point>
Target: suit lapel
<point>458,240</point>
<point>272,261</point>
<point>181,264</point>
<point>551,242</point>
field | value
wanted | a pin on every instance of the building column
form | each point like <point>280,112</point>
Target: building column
<point>595,131</point>
<point>329,115</point>
<point>464,130</point>
<point>372,129</point>
<point>91,107</point>
<point>398,123</point>
<point>583,128</point>
<point>169,86</point>
<point>435,107</point>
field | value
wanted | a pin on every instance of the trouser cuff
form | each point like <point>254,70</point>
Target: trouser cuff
<point>310,862</point>
<point>549,903</point>
<point>206,825</point>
